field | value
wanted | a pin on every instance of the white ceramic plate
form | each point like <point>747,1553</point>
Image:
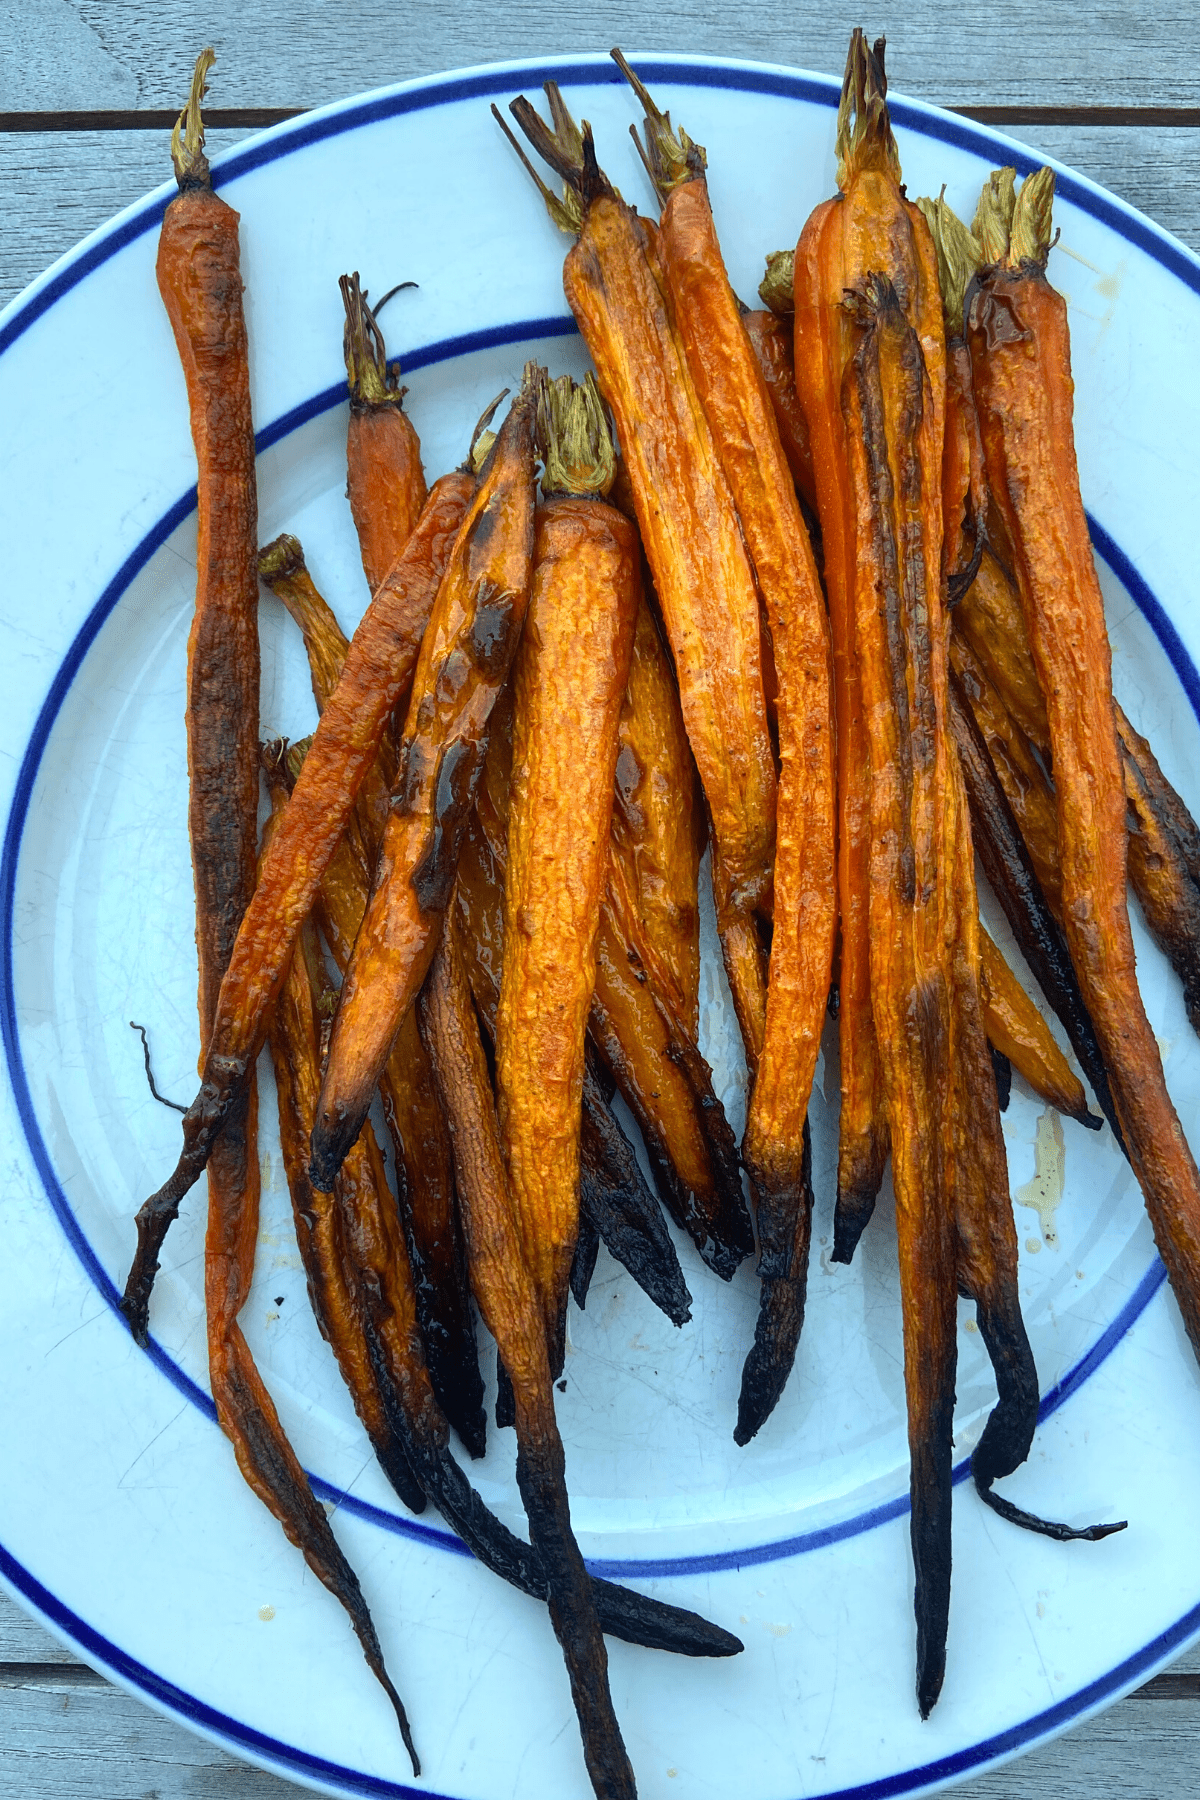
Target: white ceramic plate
<point>123,1521</point>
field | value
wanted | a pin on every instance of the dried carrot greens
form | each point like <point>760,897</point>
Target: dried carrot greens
<point>1017,330</point>
<point>377,671</point>
<point>616,289</point>
<point>385,482</point>
<point>745,436</point>
<point>569,679</point>
<point>463,662</point>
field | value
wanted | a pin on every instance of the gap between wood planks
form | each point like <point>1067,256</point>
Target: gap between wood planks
<point>257,117</point>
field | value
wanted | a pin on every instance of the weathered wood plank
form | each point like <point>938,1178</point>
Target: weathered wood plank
<point>55,187</point>
<point>24,1641</point>
<point>63,1741</point>
<point>69,54</point>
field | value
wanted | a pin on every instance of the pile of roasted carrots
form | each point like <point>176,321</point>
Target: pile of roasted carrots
<point>821,598</point>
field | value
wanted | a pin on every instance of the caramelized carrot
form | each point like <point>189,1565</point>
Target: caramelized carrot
<point>658,821</point>
<point>613,1195</point>
<point>515,1314</point>
<point>868,228</point>
<point>569,678</point>
<point>1021,360</point>
<point>464,661</point>
<point>1017,1029</point>
<point>377,671</point>
<point>739,412</point>
<point>385,482</point>
<point>1013,881</point>
<point>894,451</point>
<point>772,340</point>
<point>435,1263</point>
<point>617,290</point>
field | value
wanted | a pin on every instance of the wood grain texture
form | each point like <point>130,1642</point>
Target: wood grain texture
<point>85,53</point>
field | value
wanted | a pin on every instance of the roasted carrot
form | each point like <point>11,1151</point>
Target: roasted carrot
<point>745,436</point>
<point>771,333</point>
<point>378,670</point>
<point>1016,1028</point>
<point>463,663</point>
<point>1158,871</point>
<point>868,228</point>
<point>569,679</point>
<point>647,948</point>
<point>613,1196</point>
<point>425,1175</point>
<point>1015,763</point>
<point>281,566</point>
<point>294,1039</point>
<point>200,283</point>
<point>617,290</point>
<point>363,1297</point>
<point>658,824</point>
<point>1020,355</point>
<point>385,482</point>
<point>515,1313</point>
<point>435,1259</point>
<point>894,449</point>
<point>1008,868</point>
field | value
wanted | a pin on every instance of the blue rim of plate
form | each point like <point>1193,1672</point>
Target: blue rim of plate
<point>270,147</point>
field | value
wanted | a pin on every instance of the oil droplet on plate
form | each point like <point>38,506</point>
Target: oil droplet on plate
<point>266,1614</point>
<point>1045,1190</point>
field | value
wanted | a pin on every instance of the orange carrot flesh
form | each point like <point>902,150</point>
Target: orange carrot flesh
<point>385,483</point>
<point>569,680</point>
<point>1018,1030</point>
<point>895,458</point>
<point>378,668</point>
<point>464,660</point>
<point>771,339</point>
<point>513,1311</point>
<point>1021,357</point>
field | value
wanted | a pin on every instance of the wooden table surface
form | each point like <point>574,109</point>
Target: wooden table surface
<point>83,87</point>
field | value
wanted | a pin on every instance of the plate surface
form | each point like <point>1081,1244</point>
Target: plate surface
<point>124,1523</point>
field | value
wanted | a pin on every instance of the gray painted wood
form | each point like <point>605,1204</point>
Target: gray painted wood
<point>91,53</point>
<point>64,1732</point>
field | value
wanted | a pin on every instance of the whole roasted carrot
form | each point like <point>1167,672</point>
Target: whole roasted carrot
<point>1021,361</point>
<point>514,1311</point>
<point>617,291</point>
<point>385,482</point>
<point>378,670</point>
<point>569,680</point>
<point>746,439</point>
<point>464,660</point>
<point>868,228</point>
